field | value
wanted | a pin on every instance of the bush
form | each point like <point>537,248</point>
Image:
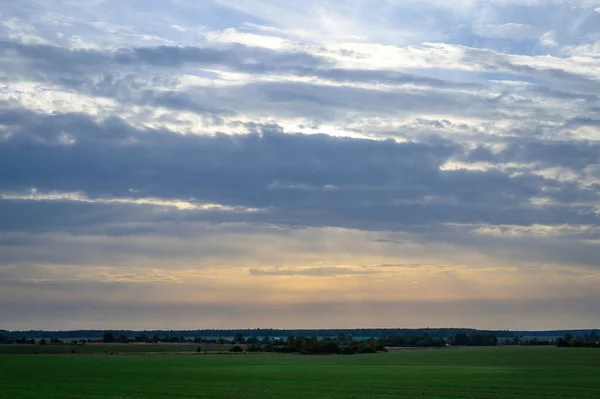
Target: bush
<point>253,348</point>
<point>365,347</point>
<point>236,349</point>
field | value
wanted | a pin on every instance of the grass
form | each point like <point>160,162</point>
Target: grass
<point>98,349</point>
<point>477,373</point>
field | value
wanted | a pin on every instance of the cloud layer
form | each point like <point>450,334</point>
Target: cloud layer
<point>304,156</point>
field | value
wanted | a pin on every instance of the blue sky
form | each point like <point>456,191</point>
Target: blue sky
<point>248,163</point>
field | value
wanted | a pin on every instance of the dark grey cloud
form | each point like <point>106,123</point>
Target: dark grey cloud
<point>55,59</point>
<point>574,154</point>
<point>557,245</point>
<point>61,61</point>
<point>287,99</point>
<point>390,241</point>
<point>299,180</point>
<point>94,245</point>
<point>323,102</point>
<point>271,156</point>
<point>583,121</point>
<point>132,75</point>
<point>552,78</point>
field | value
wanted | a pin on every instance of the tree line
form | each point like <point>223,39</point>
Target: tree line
<point>591,340</point>
<point>448,333</point>
<point>344,343</point>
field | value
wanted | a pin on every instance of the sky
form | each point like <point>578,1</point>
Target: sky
<point>190,164</point>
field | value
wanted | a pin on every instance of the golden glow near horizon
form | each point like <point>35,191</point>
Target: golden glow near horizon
<point>347,272</point>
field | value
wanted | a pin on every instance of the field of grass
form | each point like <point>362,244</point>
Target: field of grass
<point>99,349</point>
<point>475,373</point>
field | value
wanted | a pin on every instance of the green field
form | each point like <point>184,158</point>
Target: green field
<point>519,373</point>
<point>107,349</point>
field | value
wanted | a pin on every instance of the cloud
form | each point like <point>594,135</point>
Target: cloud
<point>303,84</point>
<point>312,271</point>
<point>202,151</point>
<point>308,180</point>
<point>78,197</point>
<point>54,59</point>
<point>509,30</point>
<point>390,241</point>
<point>547,39</point>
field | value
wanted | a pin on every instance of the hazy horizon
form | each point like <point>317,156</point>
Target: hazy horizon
<point>180,164</point>
<point>260,329</point>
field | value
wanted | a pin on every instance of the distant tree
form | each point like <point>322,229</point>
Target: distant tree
<point>253,348</point>
<point>568,337</point>
<point>291,342</point>
<point>592,336</point>
<point>481,339</point>
<point>143,337</point>
<point>43,341</point>
<point>461,340</point>
<point>324,347</point>
<point>366,347</point>
<point>346,337</point>
<point>301,344</point>
<point>108,337</point>
<point>236,349</point>
<point>239,338</point>
<point>476,339</point>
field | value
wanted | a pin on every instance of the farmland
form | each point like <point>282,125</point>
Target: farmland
<point>445,373</point>
<point>111,349</point>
